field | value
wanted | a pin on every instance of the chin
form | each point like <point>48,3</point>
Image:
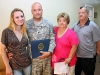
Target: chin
<point>20,24</point>
<point>81,18</point>
<point>37,17</point>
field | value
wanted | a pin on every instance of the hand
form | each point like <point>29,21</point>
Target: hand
<point>44,54</point>
<point>67,61</point>
<point>9,71</point>
<point>98,51</point>
<point>9,55</point>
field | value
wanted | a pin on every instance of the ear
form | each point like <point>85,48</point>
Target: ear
<point>31,10</point>
<point>42,10</point>
<point>88,13</point>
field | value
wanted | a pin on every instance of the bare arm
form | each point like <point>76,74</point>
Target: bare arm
<point>5,59</point>
<point>98,47</point>
<point>71,54</point>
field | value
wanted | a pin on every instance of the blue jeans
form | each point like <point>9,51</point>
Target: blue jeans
<point>26,71</point>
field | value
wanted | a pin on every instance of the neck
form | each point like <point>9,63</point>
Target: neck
<point>18,28</point>
<point>61,31</point>
<point>62,28</point>
<point>82,22</point>
<point>37,19</point>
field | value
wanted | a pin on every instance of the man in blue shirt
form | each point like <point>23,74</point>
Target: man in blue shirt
<point>89,42</point>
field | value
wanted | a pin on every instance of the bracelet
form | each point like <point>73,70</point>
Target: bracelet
<point>69,58</point>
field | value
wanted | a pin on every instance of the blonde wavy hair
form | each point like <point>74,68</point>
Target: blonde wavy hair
<point>12,23</point>
<point>64,15</point>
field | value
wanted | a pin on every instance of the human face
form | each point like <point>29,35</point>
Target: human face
<point>83,15</point>
<point>62,22</point>
<point>18,18</point>
<point>37,11</point>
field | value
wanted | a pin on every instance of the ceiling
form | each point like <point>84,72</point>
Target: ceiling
<point>91,2</point>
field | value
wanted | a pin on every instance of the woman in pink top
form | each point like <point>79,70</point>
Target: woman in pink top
<point>66,43</point>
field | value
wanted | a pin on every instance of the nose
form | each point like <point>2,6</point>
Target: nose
<point>20,18</point>
<point>80,14</point>
<point>37,11</point>
<point>61,22</point>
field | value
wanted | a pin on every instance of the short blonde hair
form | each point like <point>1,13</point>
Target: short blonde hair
<point>64,15</point>
<point>12,23</point>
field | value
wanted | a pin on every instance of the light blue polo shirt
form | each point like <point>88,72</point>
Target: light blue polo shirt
<point>88,35</point>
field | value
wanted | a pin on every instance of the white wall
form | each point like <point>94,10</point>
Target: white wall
<point>51,8</point>
<point>97,9</point>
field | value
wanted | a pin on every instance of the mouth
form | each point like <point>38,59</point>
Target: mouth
<point>21,21</point>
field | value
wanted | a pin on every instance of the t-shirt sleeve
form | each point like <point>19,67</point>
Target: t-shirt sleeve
<point>96,33</point>
<point>4,37</point>
<point>74,39</point>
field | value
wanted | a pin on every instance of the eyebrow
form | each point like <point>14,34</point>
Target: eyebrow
<point>81,7</point>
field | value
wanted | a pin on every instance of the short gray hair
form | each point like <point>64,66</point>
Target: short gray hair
<point>64,15</point>
<point>87,10</point>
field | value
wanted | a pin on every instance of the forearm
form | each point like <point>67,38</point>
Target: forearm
<point>73,51</point>
<point>71,54</point>
<point>98,47</point>
<point>4,56</point>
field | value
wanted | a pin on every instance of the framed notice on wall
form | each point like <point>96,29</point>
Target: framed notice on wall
<point>95,14</point>
<point>91,11</point>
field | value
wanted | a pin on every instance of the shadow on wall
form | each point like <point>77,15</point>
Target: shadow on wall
<point>0,47</point>
<point>2,66</point>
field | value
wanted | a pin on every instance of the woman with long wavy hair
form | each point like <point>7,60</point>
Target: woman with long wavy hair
<point>14,40</point>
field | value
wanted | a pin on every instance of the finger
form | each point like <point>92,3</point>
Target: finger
<point>10,58</point>
<point>41,51</point>
<point>10,54</point>
<point>41,56</point>
<point>65,62</point>
<point>6,50</point>
<point>8,73</point>
<point>11,73</point>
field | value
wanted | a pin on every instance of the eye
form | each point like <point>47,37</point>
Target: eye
<point>34,10</point>
<point>64,20</point>
<point>22,16</point>
<point>17,17</point>
<point>39,9</point>
<point>79,13</point>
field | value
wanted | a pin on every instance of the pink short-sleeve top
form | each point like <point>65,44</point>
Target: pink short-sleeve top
<point>64,45</point>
